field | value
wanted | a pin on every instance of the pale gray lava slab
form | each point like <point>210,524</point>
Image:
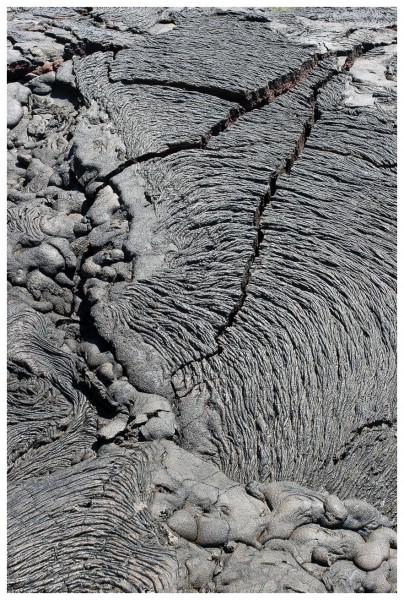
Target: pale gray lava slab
<point>152,119</point>
<point>171,59</point>
<point>201,289</point>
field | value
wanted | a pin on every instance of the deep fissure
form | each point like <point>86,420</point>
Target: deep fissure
<point>285,167</point>
<point>249,330</point>
<point>257,100</point>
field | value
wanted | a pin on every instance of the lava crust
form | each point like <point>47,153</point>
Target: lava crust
<point>201,292</point>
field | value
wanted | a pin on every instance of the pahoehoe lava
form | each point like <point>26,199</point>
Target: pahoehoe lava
<point>201,300</point>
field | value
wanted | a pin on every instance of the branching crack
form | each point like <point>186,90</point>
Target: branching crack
<point>247,103</point>
<point>285,166</point>
<point>247,100</point>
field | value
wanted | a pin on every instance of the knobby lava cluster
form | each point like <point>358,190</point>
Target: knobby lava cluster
<point>201,284</point>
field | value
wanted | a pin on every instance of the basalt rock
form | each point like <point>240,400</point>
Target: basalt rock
<point>201,289</point>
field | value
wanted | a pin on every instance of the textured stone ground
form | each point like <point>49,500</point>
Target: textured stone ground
<point>201,272</point>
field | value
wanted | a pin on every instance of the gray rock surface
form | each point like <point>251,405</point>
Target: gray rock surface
<point>201,289</point>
